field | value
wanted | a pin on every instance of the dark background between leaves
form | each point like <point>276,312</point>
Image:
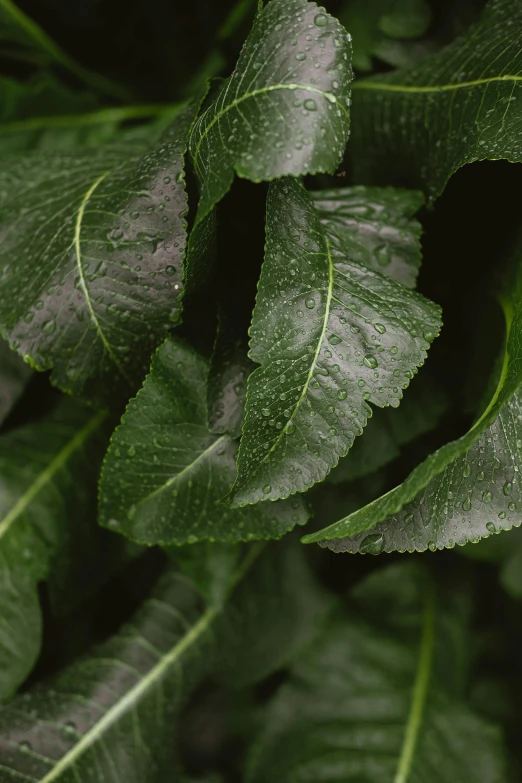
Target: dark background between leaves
<point>155,48</point>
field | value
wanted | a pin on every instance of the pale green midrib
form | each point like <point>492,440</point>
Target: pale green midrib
<point>507,309</point>
<point>331,532</point>
<point>115,114</point>
<point>49,472</point>
<point>420,691</point>
<point>38,35</point>
<point>253,94</point>
<point>431,88</point>
<point>83,283</point>
<point>316,354</point>
<point>185,470</point>
<point>153,676</point>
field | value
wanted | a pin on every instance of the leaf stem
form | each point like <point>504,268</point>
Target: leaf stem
<point>420,690</point>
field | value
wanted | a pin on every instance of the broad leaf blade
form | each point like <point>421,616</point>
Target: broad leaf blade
<point>458,106</point>
<point>14,374</point>
<point>465,491</point>
<point>284,110</point>
<point>117,708</point>
<point>331,336</point>
<point>390,429</point>
<point>165,473</point>
<point>91,259</point>
<point>367,700</point>
<point>374,226</point>
<point>48,477</point>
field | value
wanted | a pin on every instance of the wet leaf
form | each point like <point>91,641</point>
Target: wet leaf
<point>467,490</point>
<point>165,473</point>
<point>284,110</point>
<point>331,336</point>
<point>420,125</point>
<point>91,260</point>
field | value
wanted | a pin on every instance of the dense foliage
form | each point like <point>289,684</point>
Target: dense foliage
<point>252,297</point>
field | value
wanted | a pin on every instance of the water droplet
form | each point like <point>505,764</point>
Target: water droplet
<point>24,746</point>
<point>310,104</point>
<point>491,527</point>
<point>467,504</point>
<point>508,488</point>
<point>170,270</point>
<point>432,546</point>
<point>334,340</point>
<point>267,489</point>
<point>131,451</point>
<point>300,56</point>
<point>342,394</point>
<point>321,20</point>
<point>380,328</point>
<point>370,361</point>
<point>372,544</point>
<point>512,507</point>
<point>290,428</point>
<point>408,518</point>
<point>467,470</point>
<point>310,303</point>
<point>49,326</point>
<point>487,496</point>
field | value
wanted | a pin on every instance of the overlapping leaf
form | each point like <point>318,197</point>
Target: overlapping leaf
<point>284,110</point>
<point>165,473</point>
<point>48,477</point>
<point>115,711</point>
<point>389,430</point>
<point>331,336</point>
<point>373,698</point>
<point>463,104</point>
<point>468,489</point>
<point>92,248</point>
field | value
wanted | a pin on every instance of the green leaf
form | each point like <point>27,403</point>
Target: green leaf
<point>117,708</point>
<point>48,476</point>
<point>14,374</point>
<point>165,473</point>
<point>91,259</point>
<point>229,370</point>
<point>374,24</point>
<point>375,227</point>
<point>284,110</point>
<point>465,491</point>
<point>332,336</point>
<point>462,104</point>
<point>390,429</point>
<point>36,45</point>
<point>370,699</point>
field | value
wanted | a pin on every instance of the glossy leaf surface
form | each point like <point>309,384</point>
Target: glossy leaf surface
<point>284,110</point>
<point>91,259</point>
<point>371,699</point>
<point>165,473</point>
<point>331,336</point>
<point>467,490</point>
<point>458,106</point>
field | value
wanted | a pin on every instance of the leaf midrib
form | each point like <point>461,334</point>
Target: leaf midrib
<point>185,470</point>
<point>49,472</point>
<point>390,87</point>
<point>77,246</point>
<point>420,690</point>
<point>330,97</point>
<point>306,385</point>
<point>153,676</point>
